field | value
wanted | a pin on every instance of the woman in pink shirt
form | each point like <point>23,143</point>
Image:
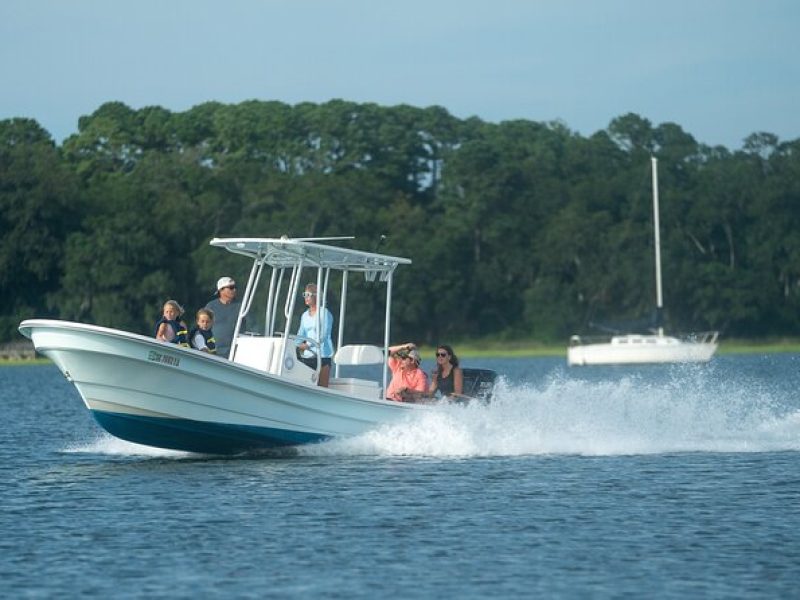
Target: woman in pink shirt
<point>409,382</point>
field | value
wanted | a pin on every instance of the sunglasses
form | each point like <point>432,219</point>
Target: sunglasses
<point>442,354</point>
<point>308,294</point>
<point>229,287</point>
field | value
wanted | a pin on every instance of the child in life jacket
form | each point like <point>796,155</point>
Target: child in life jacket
<point>201,337</point>
<point>170,327</point>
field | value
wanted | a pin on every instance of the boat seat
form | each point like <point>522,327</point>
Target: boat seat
<point>267,354</point>
<point>262,353</point>
<point>359,354</point>
<point>362,388</point>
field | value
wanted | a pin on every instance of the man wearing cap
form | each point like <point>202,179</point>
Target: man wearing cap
<point>409,382</point>
<point>226,311</point>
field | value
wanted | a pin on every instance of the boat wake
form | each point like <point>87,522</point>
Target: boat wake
<point>573,417</point>
<point>109,445</point>
<point>566,416</point>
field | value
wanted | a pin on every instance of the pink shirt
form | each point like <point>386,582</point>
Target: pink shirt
<point>411,379</point>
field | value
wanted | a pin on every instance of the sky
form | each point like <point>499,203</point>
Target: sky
<point>720,69</point>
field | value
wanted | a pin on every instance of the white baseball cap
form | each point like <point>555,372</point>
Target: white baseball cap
<point>224,282</point>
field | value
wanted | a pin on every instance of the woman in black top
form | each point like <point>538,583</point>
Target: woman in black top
<point>447,379</point>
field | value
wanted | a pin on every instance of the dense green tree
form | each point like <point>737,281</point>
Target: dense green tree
<point>516,229</point>
<point>39,207</point>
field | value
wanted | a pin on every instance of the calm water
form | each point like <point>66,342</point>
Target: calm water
<point>666,482</point>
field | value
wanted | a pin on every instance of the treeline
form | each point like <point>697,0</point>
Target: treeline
<point>517,230</point>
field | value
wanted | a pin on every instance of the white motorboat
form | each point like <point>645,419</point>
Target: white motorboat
<point>636,348</point>
<point>159,394</point>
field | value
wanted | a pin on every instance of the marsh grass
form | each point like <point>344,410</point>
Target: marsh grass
<point>522,349</point>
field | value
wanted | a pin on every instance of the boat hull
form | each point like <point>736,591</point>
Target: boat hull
<point>198,436</point>
<point>641,349</point>
<point>158,394</point>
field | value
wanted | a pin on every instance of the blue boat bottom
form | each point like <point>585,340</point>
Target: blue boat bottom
<point>199,436</point>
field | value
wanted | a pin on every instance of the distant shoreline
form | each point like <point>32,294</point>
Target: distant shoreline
<point>514,350</point>
<point>521,350</point>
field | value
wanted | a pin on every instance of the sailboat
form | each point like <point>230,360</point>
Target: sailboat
<point>636,348</point>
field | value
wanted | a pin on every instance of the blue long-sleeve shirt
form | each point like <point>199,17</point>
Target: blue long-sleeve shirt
<point>308,333</point>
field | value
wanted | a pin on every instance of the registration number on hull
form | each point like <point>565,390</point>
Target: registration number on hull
<point>164,359</point>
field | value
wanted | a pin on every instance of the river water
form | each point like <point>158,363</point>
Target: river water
<point>609,482</point>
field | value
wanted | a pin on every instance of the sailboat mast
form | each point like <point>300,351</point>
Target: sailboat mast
<point>659,294</point>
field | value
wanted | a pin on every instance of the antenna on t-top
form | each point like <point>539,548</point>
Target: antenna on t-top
<point>379,242</point>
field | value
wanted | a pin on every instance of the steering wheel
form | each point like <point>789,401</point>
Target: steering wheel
<point>299,353</point>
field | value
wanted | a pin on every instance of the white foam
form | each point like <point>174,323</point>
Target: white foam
<point>627,416</point>
<point>107,444</point>
<point>692,410</point>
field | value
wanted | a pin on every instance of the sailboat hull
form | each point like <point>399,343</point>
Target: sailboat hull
<point>642,349</point>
